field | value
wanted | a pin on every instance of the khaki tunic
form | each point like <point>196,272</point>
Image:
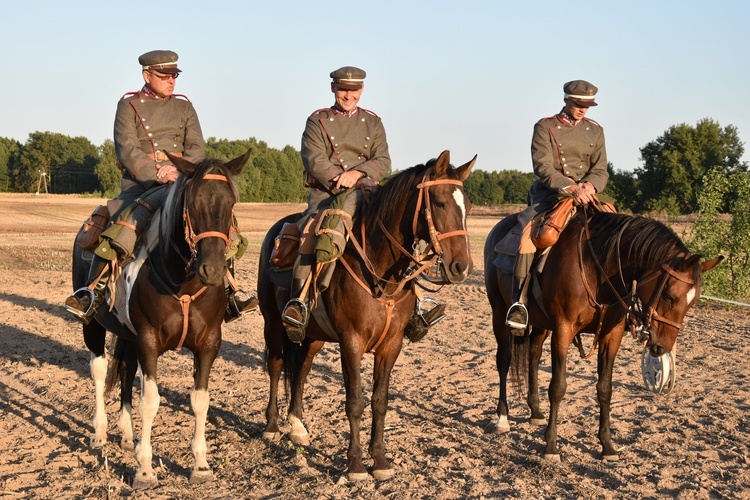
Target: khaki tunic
<point>144,125</point>
<point>334,142</point>
<point>563,154</point>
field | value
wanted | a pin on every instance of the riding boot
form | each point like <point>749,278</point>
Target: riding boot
<point>421,321</point>
<point>296,312</point>
<point>518,316</point>
<point>85,301</point>
<point>239,303</point>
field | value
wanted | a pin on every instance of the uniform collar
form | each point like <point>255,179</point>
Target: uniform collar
<point>146,90</point>
<point>337,110</point>
<point>566,118</point>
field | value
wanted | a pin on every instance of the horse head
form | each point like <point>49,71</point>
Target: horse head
<point>668,297</point>
<point>209,195</point>
<point>446,208</point>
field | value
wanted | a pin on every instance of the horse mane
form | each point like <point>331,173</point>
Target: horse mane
<point>184,188</point>
<point>644,240</point>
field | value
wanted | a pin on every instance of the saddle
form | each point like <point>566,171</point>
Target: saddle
<point>88,236</point>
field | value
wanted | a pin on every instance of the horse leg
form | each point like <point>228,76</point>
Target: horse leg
<point>94,335</point>
<point>608,348</point>
<point>274,365</point>
<point>145,476</point>
<point>557,387</point>
<point>384,362</point>
<point>537,344</point>
<point>127,376</point>
<point>203,360</point>
<point>502,360</point>
<point>351,362</point>
<point>299,435</point>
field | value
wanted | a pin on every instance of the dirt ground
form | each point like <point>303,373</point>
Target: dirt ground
<point>693,443</point>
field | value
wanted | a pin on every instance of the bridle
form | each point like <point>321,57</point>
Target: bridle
<point>191,238</point>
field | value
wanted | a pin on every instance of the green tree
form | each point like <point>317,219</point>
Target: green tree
<point>9,151</point>
<point>107,171</point>
<point>675,163</point>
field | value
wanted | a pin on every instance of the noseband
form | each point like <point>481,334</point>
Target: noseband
<point>424,194</point>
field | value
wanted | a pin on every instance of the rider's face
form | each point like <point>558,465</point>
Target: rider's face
<point>574,110</point>
<point>346,99</point>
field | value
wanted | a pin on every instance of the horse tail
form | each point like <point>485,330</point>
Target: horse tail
<point>124,355</point>
<point>293,356</point>
<point>520,351</point>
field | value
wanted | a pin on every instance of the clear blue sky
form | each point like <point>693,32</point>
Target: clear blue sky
<point>468,76</point>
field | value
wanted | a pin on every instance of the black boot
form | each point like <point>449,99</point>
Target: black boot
<point>421,321</point>
<point>85,301</point>
<point>239,303</point>
<point>517,317</point>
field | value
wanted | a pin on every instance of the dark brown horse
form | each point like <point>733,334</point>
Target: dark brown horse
<point>370,298</point>
<point>171,296</point>
<point>606,270</point>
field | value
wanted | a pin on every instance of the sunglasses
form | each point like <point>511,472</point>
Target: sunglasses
<point>165,77</point>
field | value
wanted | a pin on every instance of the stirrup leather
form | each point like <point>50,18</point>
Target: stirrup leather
<point>302,308</point>
<point>77,312</point>
<point>421,314</point>
<point>514,324</point>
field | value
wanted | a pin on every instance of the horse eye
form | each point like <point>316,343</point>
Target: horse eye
<point>440,205</point>
<point>669,299</point>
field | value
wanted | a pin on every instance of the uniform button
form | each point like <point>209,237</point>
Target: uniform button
<point>174,146</point>
<point>335,145</point>
<point>147,127</point>
<point>155,144</point>
<point>559,126</point>
<point>332,137</point>
<point>591,145</point>
<point>143,119</point>
<point>143,100</point>
<point>363,119</point>
<point>580,166</point>
<point>346,166</point>
<point>587,128</point>
<point>563,158</point>
<point>367,138</point>
<point>150,134</point>
<point>331,118</point>
<point>365,146</point>
<point>359,157</point>
<point>565,164</point>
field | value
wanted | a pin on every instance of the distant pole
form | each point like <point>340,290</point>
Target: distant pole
<point>42,178</point>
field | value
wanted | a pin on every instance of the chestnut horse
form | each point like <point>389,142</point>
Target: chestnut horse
<point>171,296</point>
<point>605,269</point>
<point>370,297</point>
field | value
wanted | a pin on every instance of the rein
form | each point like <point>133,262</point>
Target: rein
<point>418,259</point>
<point>638,320</point>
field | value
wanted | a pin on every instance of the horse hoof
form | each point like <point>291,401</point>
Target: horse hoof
<point>127,445</point>
<point>551,457</point>
<point>145,481</point>
<point>538,421</point>
<point>354,477</point>
<point>611,458</point>
<point>501,429</point>
<point>300,439</point>
<point>383,474</point>
<point>96,442</point>
<point>198,476</point>
<point>271,436</point>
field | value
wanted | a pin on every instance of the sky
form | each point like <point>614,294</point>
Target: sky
<point>468,76</point>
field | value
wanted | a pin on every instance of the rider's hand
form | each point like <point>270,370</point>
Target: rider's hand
<point>166,173</point>
<point>583,193</point>
<point>348,179</point>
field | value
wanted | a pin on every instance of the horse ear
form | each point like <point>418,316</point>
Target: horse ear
<point>235,166</point>
<point>185,167</point>
<point>710,264</point>
<point>443,163</point>
<point>465,169</point>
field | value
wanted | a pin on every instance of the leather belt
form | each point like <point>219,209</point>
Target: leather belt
<point>160,156</point>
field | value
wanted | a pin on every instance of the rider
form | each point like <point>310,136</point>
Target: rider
<point>569,158</point>
<point>342,146</point>
<point>147,122</point>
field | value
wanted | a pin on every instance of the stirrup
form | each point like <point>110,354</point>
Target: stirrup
<point>421,314</point>
<point>293,322</point>
<point>515,324</point>
<point>82,315</point>
<point>233,311</point>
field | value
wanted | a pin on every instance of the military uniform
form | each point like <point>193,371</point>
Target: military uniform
<point>335,141</point>
<point>144,127</point>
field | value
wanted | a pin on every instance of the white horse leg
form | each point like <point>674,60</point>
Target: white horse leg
<point>98,366</point>
<point>502,426</point>
<point>145,476</point>
<point>126,427</point>
<point>298,434</point>
<point>199,400</point>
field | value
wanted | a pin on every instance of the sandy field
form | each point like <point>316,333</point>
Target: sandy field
<point>693,443</point>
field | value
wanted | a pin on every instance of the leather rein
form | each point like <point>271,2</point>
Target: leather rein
<point>423,260</point>
<point>638,319</point>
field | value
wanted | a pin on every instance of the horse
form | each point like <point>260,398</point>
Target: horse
<point>605,271</point>
<point>171,296</point>
<point>370,298</point>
